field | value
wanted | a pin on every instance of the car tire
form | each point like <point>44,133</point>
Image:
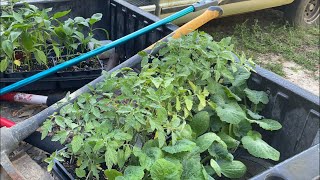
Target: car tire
<point>303,13</point>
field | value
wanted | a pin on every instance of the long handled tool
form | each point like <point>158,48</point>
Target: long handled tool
<point>197,6</point>
<point>10,137</point>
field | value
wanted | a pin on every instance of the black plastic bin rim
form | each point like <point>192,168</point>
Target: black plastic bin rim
<point>288,85</point>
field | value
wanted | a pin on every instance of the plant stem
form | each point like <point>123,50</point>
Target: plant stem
<point>88,176</point>
<point>230,130</point>
<point>255,108</point>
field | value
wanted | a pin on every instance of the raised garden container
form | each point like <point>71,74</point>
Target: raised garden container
<point>295,108</point>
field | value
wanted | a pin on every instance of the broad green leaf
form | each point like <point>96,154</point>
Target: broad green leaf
<point>46,128</point>
<point>110,157</point>
<point>259,148</point>
<point>219,150</point>
<point>192,169</point>
<point>150,155</point>
<point>254,115</point>
<point>157,81</point>
<point>161,137</point>
<point>202,100</point>
<point>231,113</point>
<point>99,144</point>
<point>134,173</point>
<point>240,77</point>
<point>204,141</point>
<point>233,169</point>
<point>80,172</point>
<point>227,74</point>
<point>167,82</point>
<point>230,94</point>
<point>122,136</point>
<point>27,41</point>
<point>95,18</point>
<point>164,169</point>
<point>76,143</point>
<point>60,121</point>
<point>17,17</point>
<point>124,109</point>
<point>61,14</point>
<point>183,145</point>
<point>56,51</point>
<point>162,115</point>
<point>193,87</point>
<point>267,124</point>
<point>79,36</point>
<point>242,128</point>
<point>14,35</point>
<point>257,96</point>
<point>200,122</point>
<point>231,142</point>
<point>3,65</point>
<point>7,47</point>
<point>111,174</point>
<point>215,167</point>
<point>40,56</point>
<point>189,102</point>
<point>96,112</point>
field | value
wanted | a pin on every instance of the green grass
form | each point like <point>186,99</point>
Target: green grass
<point>298,45</point>
<point>276,68</point>
<point>265,33</point>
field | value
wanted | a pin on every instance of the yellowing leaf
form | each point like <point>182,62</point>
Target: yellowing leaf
<point>17,62</point>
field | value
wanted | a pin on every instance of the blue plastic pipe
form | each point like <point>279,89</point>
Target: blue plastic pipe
<point>95,52</point>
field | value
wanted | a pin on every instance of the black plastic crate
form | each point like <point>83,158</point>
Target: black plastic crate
<point>296,109</point>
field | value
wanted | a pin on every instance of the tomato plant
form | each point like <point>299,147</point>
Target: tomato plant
<point>180,117</point>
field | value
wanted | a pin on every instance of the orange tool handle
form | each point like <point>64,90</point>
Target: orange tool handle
<point>211,13</point>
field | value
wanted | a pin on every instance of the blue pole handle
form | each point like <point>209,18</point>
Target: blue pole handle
<point>95,52</point>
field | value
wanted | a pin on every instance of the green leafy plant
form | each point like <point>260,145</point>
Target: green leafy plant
<point>31,34</point>
<point>181,117</point>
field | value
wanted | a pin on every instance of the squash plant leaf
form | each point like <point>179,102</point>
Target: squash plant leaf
<point>268,124</point>
<point>233,169</point>
<point>204,141</point>
<point>164,169</point>
<point>134,173</point>
<point>192,169</point>
<point>259,148</point>
<point>254,115</point>
<point>215,167</point>
<point>181,146</point>
<point>200,122</point>
<point>257,96</point>
<point>231,113</point>
<point>240,77</point>
<point>111,174</point>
